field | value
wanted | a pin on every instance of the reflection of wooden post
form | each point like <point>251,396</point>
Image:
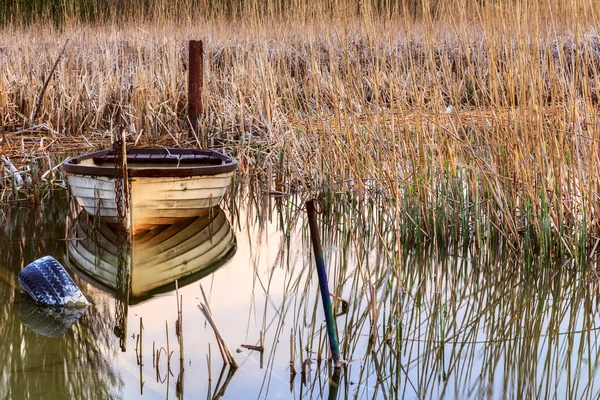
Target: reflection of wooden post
<point>195,83</point>
<point>334,384</point>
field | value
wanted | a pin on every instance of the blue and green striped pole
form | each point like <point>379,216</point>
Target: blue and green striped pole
<point>318,250</point>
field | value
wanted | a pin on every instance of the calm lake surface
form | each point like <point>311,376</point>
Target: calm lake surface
<point>421,322</point>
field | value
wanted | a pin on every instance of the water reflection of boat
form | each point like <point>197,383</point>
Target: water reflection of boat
<point>185,251</point>
<point>166,184</point>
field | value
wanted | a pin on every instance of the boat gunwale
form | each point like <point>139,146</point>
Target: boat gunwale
<point>73,165</point>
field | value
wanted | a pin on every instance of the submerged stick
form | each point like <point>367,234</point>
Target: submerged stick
<point>323,285</point>
<point>168,349</point>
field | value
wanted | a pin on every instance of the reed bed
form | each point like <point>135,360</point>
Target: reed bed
<point>428,322</point>
<point>425,322</point>
<point>464,121</point>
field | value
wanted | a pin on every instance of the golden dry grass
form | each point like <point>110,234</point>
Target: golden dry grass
<point>351,102</point>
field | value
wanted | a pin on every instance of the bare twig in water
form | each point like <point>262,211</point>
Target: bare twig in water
<point>252,347</point>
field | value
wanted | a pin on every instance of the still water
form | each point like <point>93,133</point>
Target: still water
<point>420,322</point>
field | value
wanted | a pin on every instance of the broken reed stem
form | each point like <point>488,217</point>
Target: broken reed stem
<point>253,347</point>
<point>45,86</point>
<point>179,329</point>
<point>181,325</point>
<point>141,338</point>
<point>219,344</point>
<point>320,348</point>
<point>209,364</point>
<point>168,349</point>
<point>228,356</point>
<point>292,353</point>
<point>225,352</point>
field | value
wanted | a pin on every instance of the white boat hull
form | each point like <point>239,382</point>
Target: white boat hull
<point>155,201</point>
<point>166,184</point>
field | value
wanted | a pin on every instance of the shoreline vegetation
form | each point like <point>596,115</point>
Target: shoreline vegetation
<point>461,121</point>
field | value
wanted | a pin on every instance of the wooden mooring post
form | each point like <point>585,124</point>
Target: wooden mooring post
<point>195,83</point>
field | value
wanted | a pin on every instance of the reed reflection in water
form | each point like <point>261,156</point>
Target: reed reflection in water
<point>421,322</point>
<point>427,322</point>
<point>479,329</point>
<point>40,358</point>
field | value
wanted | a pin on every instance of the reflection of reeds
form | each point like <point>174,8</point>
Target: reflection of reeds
<point>464,320</point>
<point>433,321</point>
<point>82,355</point>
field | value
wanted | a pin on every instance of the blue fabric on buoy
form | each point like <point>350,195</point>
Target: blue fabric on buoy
<point>48,283</point>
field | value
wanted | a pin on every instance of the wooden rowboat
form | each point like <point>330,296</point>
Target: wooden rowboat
<point>185,251</point>
<point>166,184</point>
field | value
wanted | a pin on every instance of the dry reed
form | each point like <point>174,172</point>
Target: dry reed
<point>468,119</point>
